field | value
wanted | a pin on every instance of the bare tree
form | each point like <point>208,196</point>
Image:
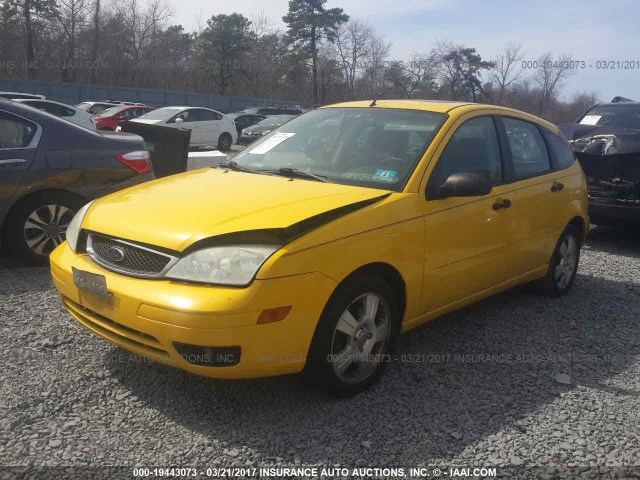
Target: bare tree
<point>506,70</point>
<point>373,65</point>
<point>351,46</point>
<point>70,19</point>
<point>550,76</point>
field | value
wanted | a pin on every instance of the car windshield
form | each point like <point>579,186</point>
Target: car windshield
<point>83,105</point>
<point>109,112</point>
<point>275,120</point>
<point>626,116</point>
<point>161,113</point>
<point>368,147</point>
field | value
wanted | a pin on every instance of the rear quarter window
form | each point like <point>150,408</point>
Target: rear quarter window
<point>562,155</point>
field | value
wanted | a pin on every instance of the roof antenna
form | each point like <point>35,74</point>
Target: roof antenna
<point>373,104</point>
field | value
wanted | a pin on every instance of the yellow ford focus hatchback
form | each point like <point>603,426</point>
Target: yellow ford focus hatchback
<point>318,244</point>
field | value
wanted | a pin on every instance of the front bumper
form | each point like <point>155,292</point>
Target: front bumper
<point>604,211</point>
<point>149,317</point>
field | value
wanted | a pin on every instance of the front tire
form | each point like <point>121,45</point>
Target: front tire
<point>563,265</point>
<point>224,142</point>
<point>38,225</point>
<point>354,337</point>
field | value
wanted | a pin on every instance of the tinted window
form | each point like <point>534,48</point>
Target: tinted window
<point>528,149</point>
<point>561,153</point>
<point>57,110</point>
<point>190,115</point>
<point>474,148</point>
<point>207,115</point>
<point>97,109</point>
<point>617,115</point>
<point>15,132</point>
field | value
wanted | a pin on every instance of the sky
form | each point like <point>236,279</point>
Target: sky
<point>589,31</point>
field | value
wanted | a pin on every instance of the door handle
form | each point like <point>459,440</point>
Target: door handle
<point>557,186</point>
<point>503,204</point>
<point>12,161</point>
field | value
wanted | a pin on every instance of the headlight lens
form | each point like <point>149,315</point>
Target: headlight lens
<point>229,265</point>
<point>73,230</point>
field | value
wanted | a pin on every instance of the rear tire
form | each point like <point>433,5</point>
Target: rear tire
<point>224,142</point>
<point>354,337</point>
<point>38,224</point>
<point>563,264</point>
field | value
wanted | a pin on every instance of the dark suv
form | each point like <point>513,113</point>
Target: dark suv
<point>606,140</point>
<point>50,168</point>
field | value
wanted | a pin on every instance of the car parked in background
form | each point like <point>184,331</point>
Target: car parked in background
<point>263,127</point>
<point>66,112</point>
<point>317,245</point>
<point>111,118</point>
<point>606,140</point>
<point>208,127</point>
<point>244,120</point>
<point>95,108</point>
<point>266,111</point>
<point>49,168</point>
<point>17,95</point>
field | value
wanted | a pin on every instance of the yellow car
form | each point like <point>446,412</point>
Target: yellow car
<point>315,246</point>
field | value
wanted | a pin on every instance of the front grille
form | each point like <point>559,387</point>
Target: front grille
<point>125,257</point>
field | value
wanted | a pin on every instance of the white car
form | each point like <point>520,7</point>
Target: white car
<point>70,114</point>
<point>208,127</point>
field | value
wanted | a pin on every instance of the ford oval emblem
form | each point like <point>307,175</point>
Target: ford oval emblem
<point>116,254</point>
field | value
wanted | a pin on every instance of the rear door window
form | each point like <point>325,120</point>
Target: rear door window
<point>562,155</point>
<point>528,149</point>
<point>209,115</point>
<point>15,132</point>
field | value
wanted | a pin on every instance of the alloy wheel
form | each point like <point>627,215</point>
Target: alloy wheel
<point>360,338</point>
<point>566,266</point>
<point>46,228</point>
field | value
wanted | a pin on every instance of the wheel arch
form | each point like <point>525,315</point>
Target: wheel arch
<point>25,198</point>
<point>582,225</point>
<point>389,274</point>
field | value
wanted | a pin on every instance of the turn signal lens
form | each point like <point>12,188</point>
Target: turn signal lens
<point>273,315</point>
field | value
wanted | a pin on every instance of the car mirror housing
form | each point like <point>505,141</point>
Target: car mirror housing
<point>179,120</point>
<point>465,185</point>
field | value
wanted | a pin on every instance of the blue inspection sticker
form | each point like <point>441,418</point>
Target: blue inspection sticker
<point>386,175</point>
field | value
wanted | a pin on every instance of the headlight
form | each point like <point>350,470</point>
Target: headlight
<point>230,265</point>
<point>73,230</point>
<point>265,132</point>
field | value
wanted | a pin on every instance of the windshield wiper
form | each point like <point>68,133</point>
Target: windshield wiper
<point>235,166</point>
<point>294,172</point>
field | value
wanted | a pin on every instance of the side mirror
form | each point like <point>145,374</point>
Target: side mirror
<point>179,120</point>
<point>465,185</point>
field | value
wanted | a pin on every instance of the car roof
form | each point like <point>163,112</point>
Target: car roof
<point>444,106</point>
<point>615,104</point>
<point>31,113</point>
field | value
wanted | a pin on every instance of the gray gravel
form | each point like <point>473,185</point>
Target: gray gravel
<point>515,380</point>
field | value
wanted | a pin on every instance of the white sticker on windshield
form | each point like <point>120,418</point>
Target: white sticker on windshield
<point>274,141</point>
<point>590,119</point>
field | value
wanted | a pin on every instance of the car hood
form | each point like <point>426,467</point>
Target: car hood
<point>178,211</point>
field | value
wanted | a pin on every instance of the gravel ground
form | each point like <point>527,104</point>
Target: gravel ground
<point>514,380</point>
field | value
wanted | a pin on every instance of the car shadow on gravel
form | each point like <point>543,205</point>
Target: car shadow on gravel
<point>622,240</point>
<point>453,382</point>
